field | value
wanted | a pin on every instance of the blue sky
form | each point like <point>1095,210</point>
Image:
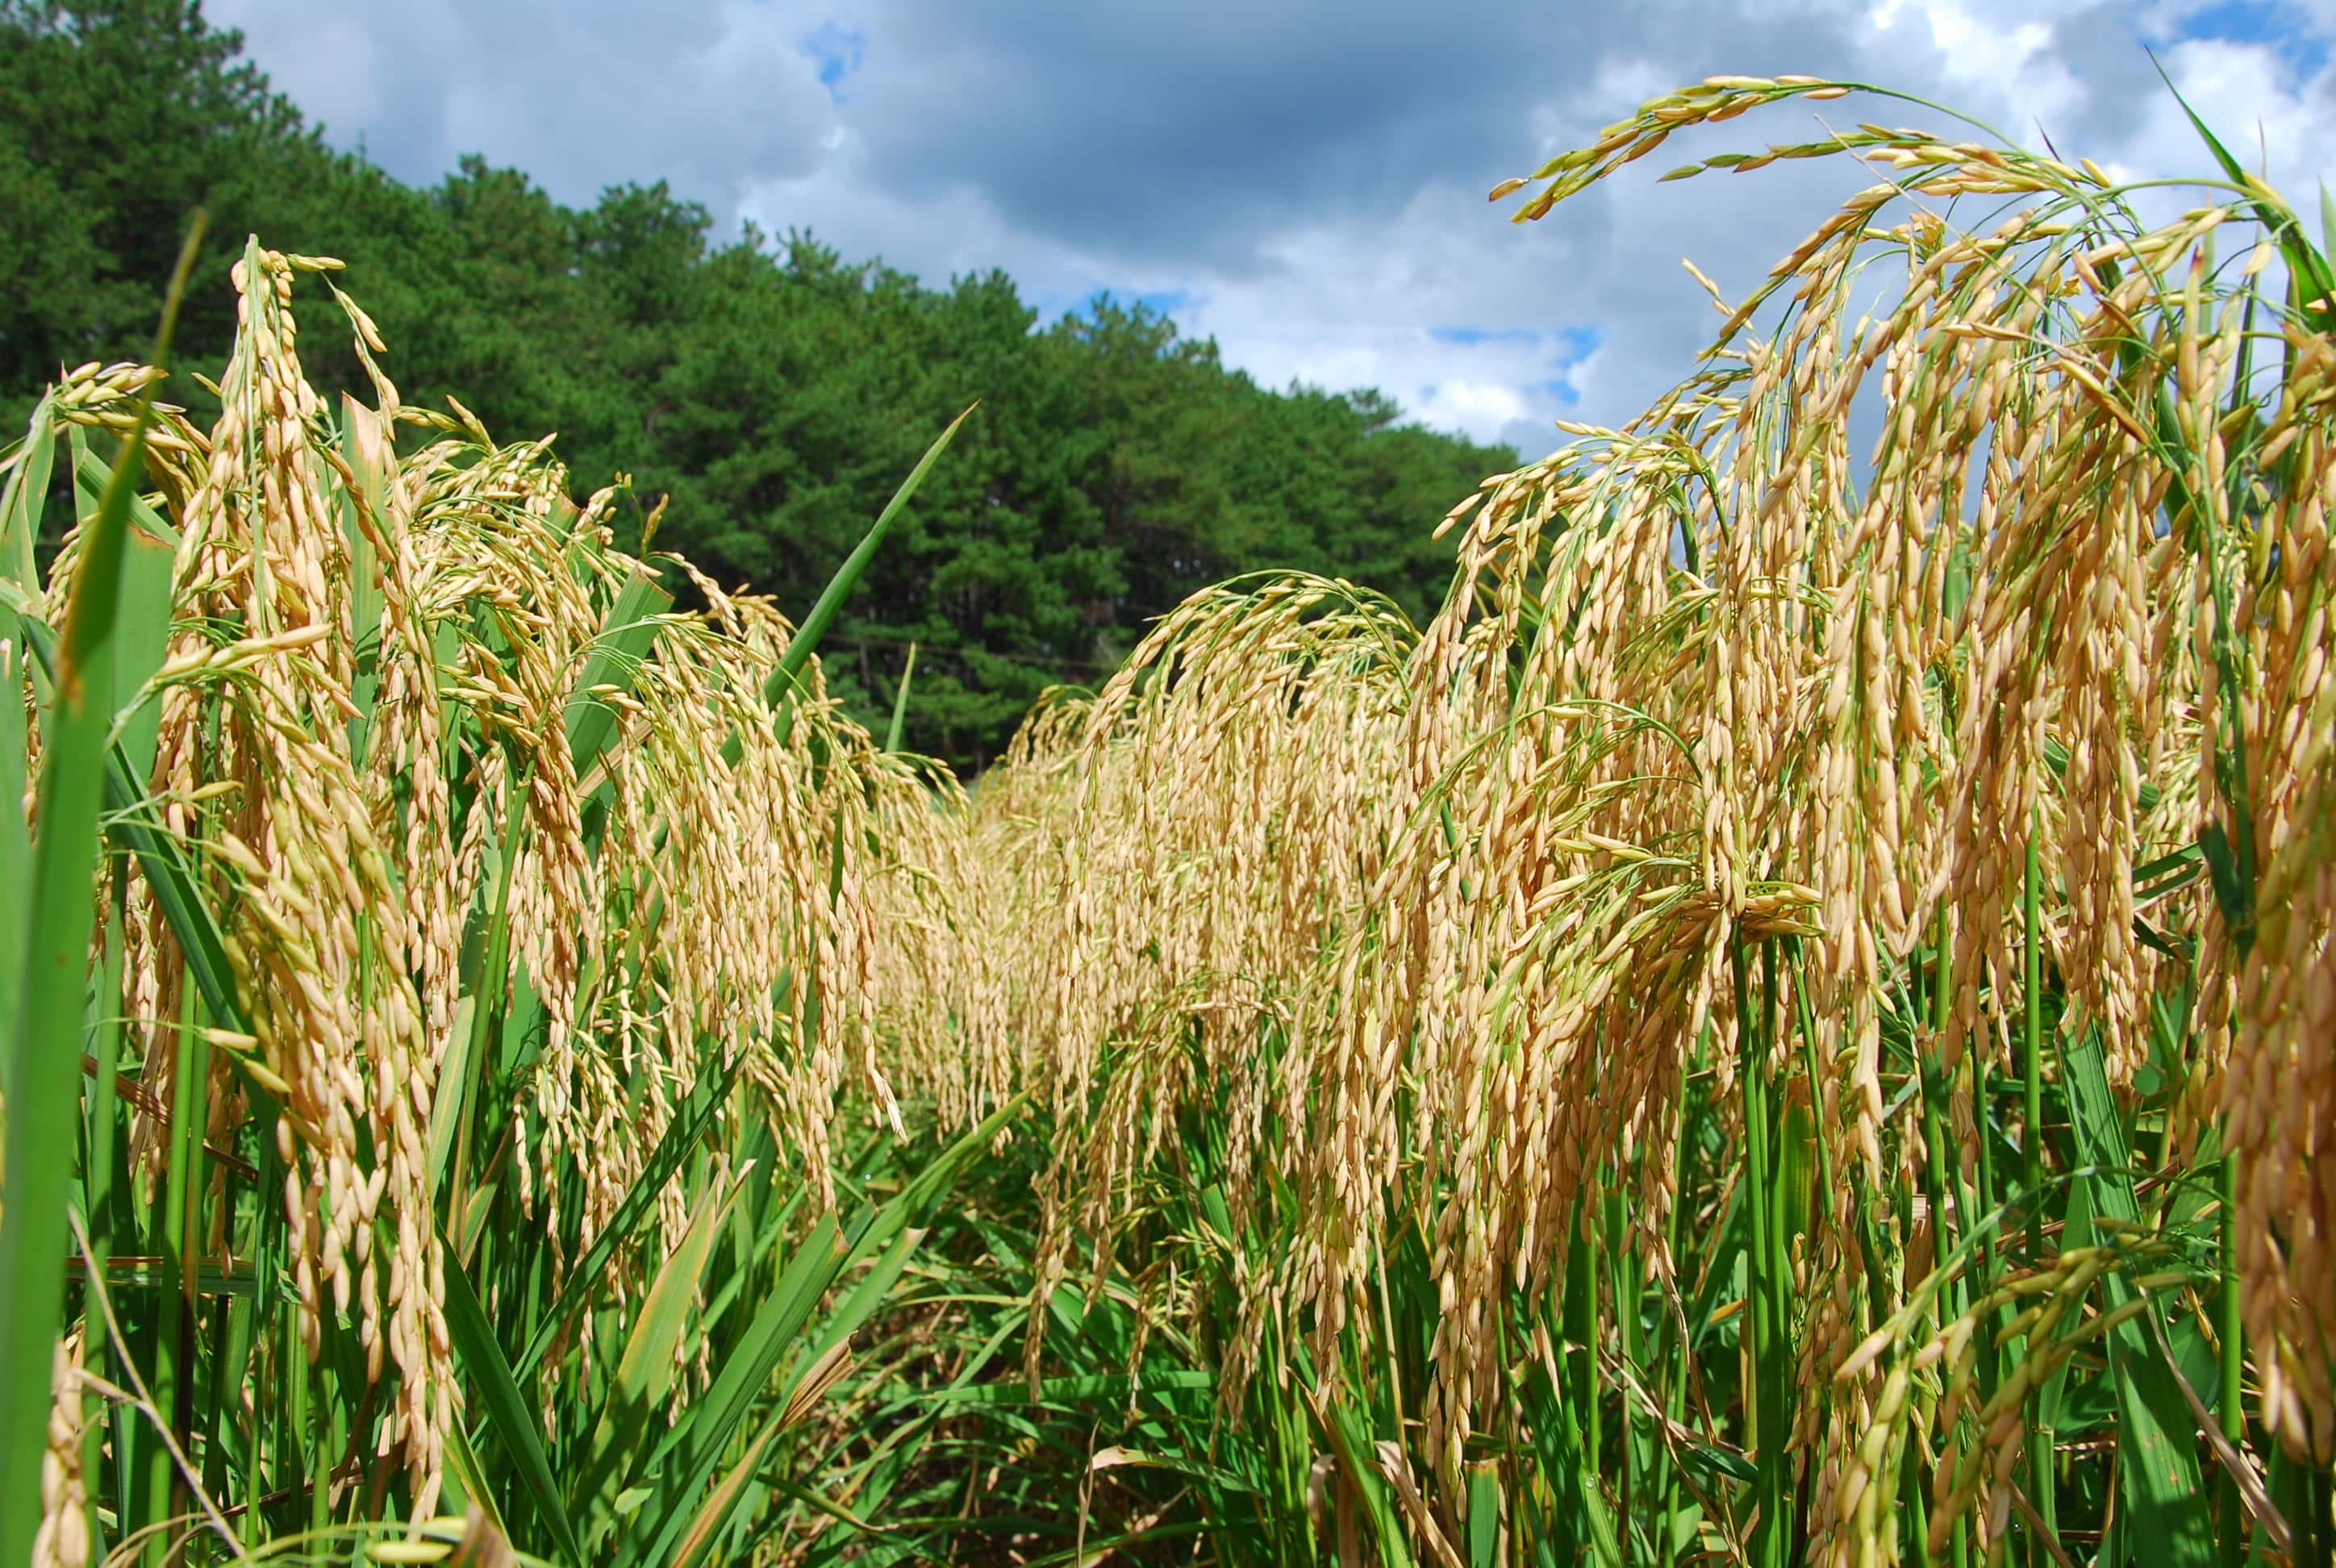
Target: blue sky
<point>838,52</point>
<point>1304,182</point>
<point>2284,28</point>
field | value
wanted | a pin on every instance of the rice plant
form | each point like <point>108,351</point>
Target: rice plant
<point>448,1136</point>
<point>1786,1022</point>
<point>1790,1022</point>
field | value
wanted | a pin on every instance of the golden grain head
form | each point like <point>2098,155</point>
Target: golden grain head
<point>1727,758</point>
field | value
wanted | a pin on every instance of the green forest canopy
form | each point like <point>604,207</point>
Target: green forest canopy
<point>774,391</point>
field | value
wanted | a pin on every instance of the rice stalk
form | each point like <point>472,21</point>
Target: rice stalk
<point>1892,765</point>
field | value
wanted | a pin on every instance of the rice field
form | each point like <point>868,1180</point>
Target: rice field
<point>1793,1021</point>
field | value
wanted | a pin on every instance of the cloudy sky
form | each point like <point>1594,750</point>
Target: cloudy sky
<point>1304,181</point>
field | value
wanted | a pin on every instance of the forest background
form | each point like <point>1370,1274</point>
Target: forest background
<point>770,389</point>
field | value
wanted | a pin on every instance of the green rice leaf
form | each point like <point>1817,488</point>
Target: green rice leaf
<point>40,1073</point>
<point>688,1124</point>
<point>627,634</point>
<point>23,498</point>
<point>815,626</point>
<point>644,1376</point>
<point>506,1409</point>
<point>2161,1483</point>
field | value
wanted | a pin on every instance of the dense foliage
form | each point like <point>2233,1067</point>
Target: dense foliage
<point>771,389</point>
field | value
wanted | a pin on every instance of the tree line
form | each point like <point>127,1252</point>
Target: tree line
<point>774,391</point>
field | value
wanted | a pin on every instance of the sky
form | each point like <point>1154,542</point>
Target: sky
<point>1304,182</point>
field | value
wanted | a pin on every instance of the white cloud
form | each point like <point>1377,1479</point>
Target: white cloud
<point>1309,179</point>
<point>2237,88</point>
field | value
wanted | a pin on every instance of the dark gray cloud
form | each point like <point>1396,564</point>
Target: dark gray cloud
<point>1307,179</point>
<point>1189,131</point>
<point>581,93</point>
<point>1196,131</point>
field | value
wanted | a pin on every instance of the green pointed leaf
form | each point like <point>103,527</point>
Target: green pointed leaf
<point>505,1408</point>
<point>23,499</point>
<point>148,574</point>
<point>626,636</point>
<point>644,1375</point>
<point>688,1124</point>
<point>130,825</point>
<point>1483,1517</point>
<point>900,703</point>
<point>89,471</point>
<point>15,838</point>
<point>693,1542</point>
<point>2222,871</point>
<point>40,1074</point>
<point>2310,266</point>
<point>847,576</point>
<point>2161,1485</point>
<point>691,1455</point>
<point>1350,1444</point>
